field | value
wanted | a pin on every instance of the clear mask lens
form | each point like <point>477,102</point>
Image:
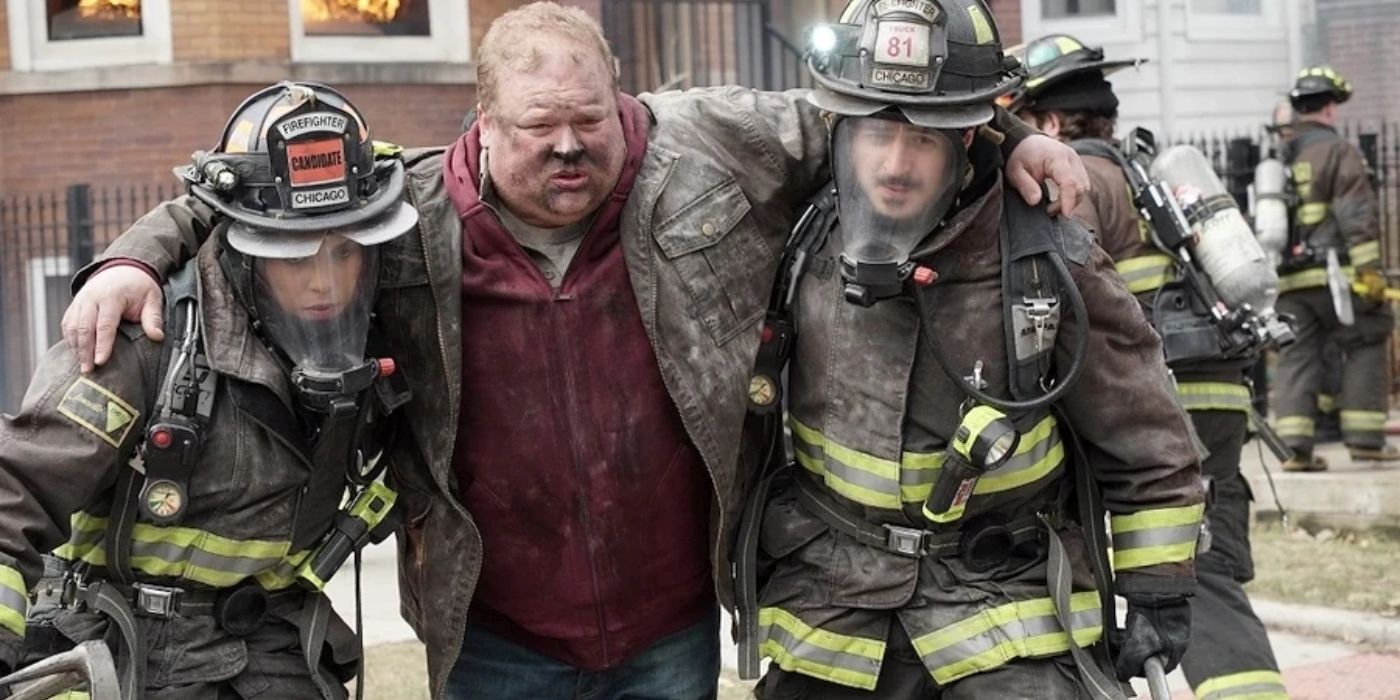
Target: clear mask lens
<point>894,182</point>
<point>316,308</point>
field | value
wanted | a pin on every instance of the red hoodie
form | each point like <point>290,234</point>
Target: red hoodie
<point>592,503</point>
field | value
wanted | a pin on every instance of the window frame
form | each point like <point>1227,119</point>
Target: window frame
<point>1264,26</point>
<point>33,51</point>
<point>40,269</point>
<point>448,40</point>
<point>1123,26</point>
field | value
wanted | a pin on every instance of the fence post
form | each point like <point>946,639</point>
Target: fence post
<point>1241,155</point>
<point>79,209</point>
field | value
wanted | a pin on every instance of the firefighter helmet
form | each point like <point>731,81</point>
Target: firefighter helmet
<point>1054,64</point>
<point>940,64</point>
<point>294,162</point>
<point>1319,81</point>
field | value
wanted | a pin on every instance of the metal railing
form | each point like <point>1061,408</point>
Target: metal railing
<point>676,44</point>
<point>44,239</point>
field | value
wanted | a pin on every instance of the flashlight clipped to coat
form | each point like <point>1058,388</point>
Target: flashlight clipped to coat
<point>985,439</point>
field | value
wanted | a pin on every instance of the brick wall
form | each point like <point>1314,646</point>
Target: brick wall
<point>1008,19</point>
<point>1361,45</point>
<point>219,30</point>
<point>136,136</point>
<point>4,38</point>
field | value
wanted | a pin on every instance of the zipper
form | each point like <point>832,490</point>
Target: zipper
<point>565,371</point>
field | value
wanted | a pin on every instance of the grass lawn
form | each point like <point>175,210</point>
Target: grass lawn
<point>1352,570</point>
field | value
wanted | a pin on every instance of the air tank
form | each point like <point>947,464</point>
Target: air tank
<point>1271,208</point>
<point>1222,243</point>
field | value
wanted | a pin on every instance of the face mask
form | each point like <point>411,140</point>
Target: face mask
<point>894,181</point>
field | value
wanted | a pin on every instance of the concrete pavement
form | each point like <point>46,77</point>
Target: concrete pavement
<point>1347,495</point>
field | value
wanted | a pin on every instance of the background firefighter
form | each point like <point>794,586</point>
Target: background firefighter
<point>1335,214</point>
<point>1068,97</point>
<point>193,489</point>
<point>879,576</point>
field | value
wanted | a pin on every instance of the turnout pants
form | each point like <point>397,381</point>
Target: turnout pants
<point>903,676</point>
<point>1230,655</point>
<point>1364,377</point>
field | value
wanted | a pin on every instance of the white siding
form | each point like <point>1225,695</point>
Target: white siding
<point>1217,73</point>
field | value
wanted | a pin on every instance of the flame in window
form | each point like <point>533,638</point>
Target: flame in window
<point>377,11</point>
<point>110,9</point>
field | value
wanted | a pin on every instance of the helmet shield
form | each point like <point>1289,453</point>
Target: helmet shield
<point>894,181</point>
<point>316,307</point>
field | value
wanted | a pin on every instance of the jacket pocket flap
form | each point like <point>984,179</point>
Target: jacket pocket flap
<point>703,222</point>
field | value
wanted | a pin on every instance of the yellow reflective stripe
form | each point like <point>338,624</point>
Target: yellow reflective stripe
<point>981,27</point>
<point>995,636</point>
<point>868,479</point>
<point>1157,536</point>
<point>14,600</point>
<point>1312,213</point>
<point>1363,421</point>
<point>1213,396</point>
<point>1295,426</point>
<point>860,477</point>
<point>1039,453</point>
<point>1364,253</point>
<point>1145,273</point>
<point>1326,403</point>
<point>796,646</point>
<point>178,552</point>
<point>1247,685</point>
<point>285,574</point>
<point>1311,277</point>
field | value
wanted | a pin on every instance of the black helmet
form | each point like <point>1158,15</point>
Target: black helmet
<point>1317,82</point>
<point>942,68</point>
<point>1063,73</point>
<point>295,161</point>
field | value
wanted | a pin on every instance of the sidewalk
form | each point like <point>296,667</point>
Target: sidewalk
<point>1351,496</point>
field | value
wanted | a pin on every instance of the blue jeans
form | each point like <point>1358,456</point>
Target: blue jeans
<point>683,666</point>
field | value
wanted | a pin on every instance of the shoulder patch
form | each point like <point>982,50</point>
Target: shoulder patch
<point>1076,240</point>
<point>98,411</point>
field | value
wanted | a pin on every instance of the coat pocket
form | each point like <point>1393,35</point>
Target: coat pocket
<point>720,258</point>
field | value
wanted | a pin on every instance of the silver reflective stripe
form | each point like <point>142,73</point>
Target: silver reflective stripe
<point>818,655</point>
<point>917,477</point>
<point>1156,537</point>
<point>1010,632</point>
<point>13,599</point>
<point>843,471</point>
<point>1027,460</point>
<point>1251,691</point>
<point>195,557</point>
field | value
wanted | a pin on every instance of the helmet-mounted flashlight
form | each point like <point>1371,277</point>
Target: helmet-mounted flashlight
<point>822,40</point>
<point>984,440</point>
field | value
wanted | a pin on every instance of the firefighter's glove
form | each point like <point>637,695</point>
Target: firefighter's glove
<point>1157,625</point>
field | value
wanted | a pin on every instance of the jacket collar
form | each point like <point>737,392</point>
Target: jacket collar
<point>230,345</point>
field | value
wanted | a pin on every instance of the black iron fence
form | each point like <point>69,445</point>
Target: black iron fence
<point>44,239</point>
<point>1234,156</point>
<point>669,44</point>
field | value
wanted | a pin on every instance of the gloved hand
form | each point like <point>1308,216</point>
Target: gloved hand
<point>1157,625</point>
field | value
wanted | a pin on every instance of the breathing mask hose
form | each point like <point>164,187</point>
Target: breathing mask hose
<point>1077,360</point>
